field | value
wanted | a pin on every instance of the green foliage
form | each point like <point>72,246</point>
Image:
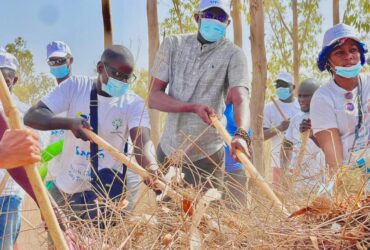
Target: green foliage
<point>140,86</point>
<point>280,41</point>
<point>357,14</point>
<point>31,87</point>
<point>181,16</point>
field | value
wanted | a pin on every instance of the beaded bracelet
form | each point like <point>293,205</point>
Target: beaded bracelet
<point>243,134</point>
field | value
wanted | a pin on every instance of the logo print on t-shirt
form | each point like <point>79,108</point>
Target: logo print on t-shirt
<point>117,124</point>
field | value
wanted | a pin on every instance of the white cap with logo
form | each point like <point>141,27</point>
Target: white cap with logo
<point>286,77</point>
<point>7,60</point>
<point>57,49</point>
<point>222,4</point>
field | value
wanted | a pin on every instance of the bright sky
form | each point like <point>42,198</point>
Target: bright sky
<point>79,23</point>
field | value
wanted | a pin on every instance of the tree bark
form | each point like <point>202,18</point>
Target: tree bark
<point>296,58</point>
<point>153,36</point>
<point>237,23</point>
<point>257,31</point>
<point>335,12</point>
<point>108,37</point>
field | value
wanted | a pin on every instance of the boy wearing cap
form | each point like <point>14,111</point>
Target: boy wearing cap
<point>60,60</point>
<point>12,195</point>
<point>274,126</point>
<point>199,69</point>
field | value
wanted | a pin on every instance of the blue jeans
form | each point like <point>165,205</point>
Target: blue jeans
<point>10,220</point>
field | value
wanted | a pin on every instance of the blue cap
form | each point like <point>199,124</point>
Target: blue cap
<point>57,49</point>
<point>332,39</point>
<point>222,4</point>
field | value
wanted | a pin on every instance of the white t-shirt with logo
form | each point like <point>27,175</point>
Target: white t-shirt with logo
<point>272,118</point>
<point>313,164</point>
<point>328,110</point>
<point>116,116</point>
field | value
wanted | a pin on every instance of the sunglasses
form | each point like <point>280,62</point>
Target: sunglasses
<point>56,61</point>
<point>112,72</point>
<point>209,15</point>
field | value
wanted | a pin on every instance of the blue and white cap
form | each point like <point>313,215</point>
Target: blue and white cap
<point>286,77</point>
<point>222,4</point>
<point>57,49</point>
<point>8,60</point>
<point>333,38</point>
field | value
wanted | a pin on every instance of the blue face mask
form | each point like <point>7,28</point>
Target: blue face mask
<point>348,72</point>
<point>59,71</point>
<point>212,30</point>
<point>283,93</point>
<point>115,88</point>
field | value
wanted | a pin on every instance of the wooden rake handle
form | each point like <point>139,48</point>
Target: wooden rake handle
<point>131,165</point>
<point>250,168</point>
<point>279,109</point>
<point>32,173</point>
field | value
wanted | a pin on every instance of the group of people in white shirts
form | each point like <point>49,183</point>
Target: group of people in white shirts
<point>336,114</point>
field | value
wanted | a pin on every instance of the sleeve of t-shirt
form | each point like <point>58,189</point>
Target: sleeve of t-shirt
<point>161,65</point>
<point>59,99</point>
<point>322,113</point>
<point>238,70</point>
<point>139,116</point>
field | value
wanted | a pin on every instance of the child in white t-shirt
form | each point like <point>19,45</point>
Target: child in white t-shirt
<point>309,173</point>
<point>274,126</point>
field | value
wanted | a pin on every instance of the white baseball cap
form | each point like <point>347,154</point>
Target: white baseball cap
<point>222,4</point>
<point>286,77</point>
<point>7,60</point>
<point>57,49</point>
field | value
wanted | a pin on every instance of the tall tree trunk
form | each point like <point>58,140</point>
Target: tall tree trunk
<point>108,37</point>
<point>296,59</point>
<point>257,36</point>
<point>237,23</point>
<point>153,36</point>
<point>335,12</point>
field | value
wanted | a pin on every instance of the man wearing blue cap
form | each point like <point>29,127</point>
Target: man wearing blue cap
<point>274,126</point>
<point>199,70</point>
<point>340,109</point>
<point>60,60</point>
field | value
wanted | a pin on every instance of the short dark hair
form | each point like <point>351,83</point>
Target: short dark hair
<point>117,52</point>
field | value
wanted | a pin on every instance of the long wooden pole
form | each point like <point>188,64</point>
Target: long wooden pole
<point>32,173</point>
<point>237,23</point>
<point>279,109</point>
<point>108,36</point>
<point>131,165</point>
<point>153,38</point>
<point>250,168</point>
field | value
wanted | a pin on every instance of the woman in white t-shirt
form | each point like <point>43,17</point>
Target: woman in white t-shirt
<point>340,109</point>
